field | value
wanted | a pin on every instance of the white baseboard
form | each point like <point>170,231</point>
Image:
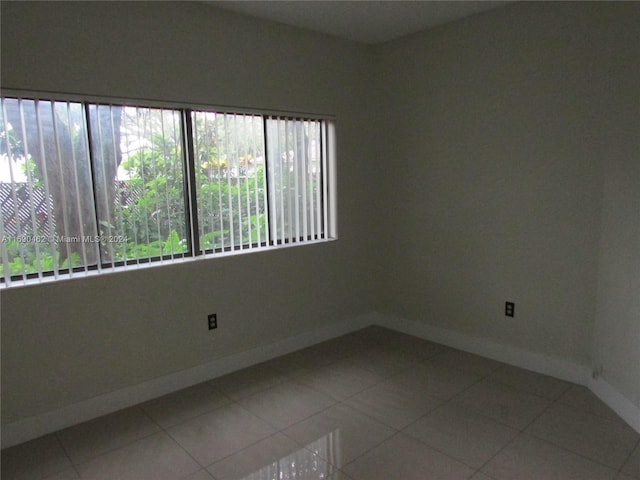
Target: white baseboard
<point>555,367</point>
<point>620,404</point>
<point>48,422</point>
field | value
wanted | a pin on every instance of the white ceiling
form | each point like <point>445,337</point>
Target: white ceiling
<point>362,21</point>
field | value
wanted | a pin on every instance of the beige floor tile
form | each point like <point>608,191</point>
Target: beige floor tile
<point>69,474</point>
<point>399,341</point>
<point>582,398</point>
<point>465,361</point>
<point>253,458</point>
<point>375,334</point>
<point>300,362</point>
<point>605,441</point>
<point>287,403</point>
<point>480,476</point>
<point>462,434</point>
<point>296,472</point>
<point>435,381</point>
<point>34,460</point>
<point>416,347</point>
<point>502,403</point>
<point>339,434</point>
<point>393,404</point>
<point>531,382</point>
<point>185,404</point>
<point>248,381</point>
<point>337,475</point>
<point>383,361</point>
<point>220,433</point>
<point>528,458</point>
<point>339,347</point>
<point>632,465</point>
<point>624,476</point>
<point>200,475</point>
<point>334,411</point>
<point>339,380</point>
<point>404,457</point>
<point>275,454</point>
<point>156,457</point>
<point>90,439</point>
<point>289,367</point>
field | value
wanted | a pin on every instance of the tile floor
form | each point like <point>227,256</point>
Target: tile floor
<point>371,405</point>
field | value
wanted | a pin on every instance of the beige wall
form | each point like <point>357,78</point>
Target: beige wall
<point>499,131</point>
<point>487,160</point>
<point>616,336</point>
<point>72,340</point>
<point>491,146</point>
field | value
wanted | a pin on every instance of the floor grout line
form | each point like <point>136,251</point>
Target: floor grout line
<point>298,364</point>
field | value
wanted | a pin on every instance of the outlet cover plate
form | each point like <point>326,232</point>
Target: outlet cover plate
<point>213,321</point>
<point>509,309</point>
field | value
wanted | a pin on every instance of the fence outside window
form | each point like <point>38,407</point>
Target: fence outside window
<point>90,186</point>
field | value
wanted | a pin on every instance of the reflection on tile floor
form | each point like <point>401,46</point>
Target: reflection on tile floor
<point>303,463</point>
<point>371,405</point>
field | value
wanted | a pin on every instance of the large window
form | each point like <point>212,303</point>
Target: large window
<point>90,186</point>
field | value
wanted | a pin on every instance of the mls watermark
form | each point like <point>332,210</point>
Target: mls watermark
<point>24,239</point>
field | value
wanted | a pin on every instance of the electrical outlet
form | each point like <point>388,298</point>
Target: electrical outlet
<point>509,309</point>
<point>213,321</point>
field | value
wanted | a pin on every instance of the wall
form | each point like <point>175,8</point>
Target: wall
<point>69,341</point>
<point>491,159</point>
<point>510,151</point>
<point>616,335</point>
<point>498,132</point>
<point>495,192</point>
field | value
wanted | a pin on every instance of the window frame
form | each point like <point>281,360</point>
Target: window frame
<point>328,207</point>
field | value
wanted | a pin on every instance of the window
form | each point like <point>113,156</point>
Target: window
<point>91,187</point>
<point>230,180</point>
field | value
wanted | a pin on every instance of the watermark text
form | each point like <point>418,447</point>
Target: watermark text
<point>49,239</point>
